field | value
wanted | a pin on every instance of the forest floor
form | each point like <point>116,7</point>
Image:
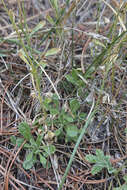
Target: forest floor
<point>63,94</point>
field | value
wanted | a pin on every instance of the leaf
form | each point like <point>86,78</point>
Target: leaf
<point>38,27</point>
<point>39,139</point>
<point>82,116</point>
<point>51,21</point>
<point>25,130</point>
<point>22,55</point>
<point>52,51</point>
<point>54,111</point>
<point>101,161</point>
<point>74,105</point>
<point>125,130</point>
<point>50,149</point>
<point>96,169</point>
<point>72,131</point>
<point>48,121</point>
<point>47,102</point>
<point>43,64</point>
<point>55,99</point>
<point>43,160</point>
<point>29,162</point>
<point>91,158</point>
<point>69,118</point>
<point>125,178</point>
<point>54,4</point>
<point>111,170</point>
<point>32,142</point>
<point>13,140</point>
<point>27,145</point>
<point>98,43</point>
<point>19,141</point>
<point>37,151</point>
<point>58,132</point>
<point>72,77</point>
<point>99,153</point>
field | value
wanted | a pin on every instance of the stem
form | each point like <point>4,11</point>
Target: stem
<point>90,115</point>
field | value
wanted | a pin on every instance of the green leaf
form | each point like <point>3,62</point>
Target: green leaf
<point>45,154</point>
<point>82,116</point>
<point>54,111</point>
<point>125,178</point>
<point>74,78</point>
<point>22,55</point>
<point>49,18</point>
<point>111,170</point>
<point>27,145</point>
<point>58,132</point>
<point>72,131</point>
<point>43,64</point>
<point>99,153</point>
<point>74,105</point>
<point>125,130</point>
<point>37,151</point>
<point>98,43</point>
<point>50,149</point>
<point>38,27</point>
<point>32,142</point>
<point>69,118</point>
<point>13,140</point>
<point>43,160</point>
<point>91,158</point>
<point>96,169</point>
<point>39,139</point>
<point>55,100</point>
<point>54,4</point>
<point>25,130</point>
<point>48,121</point>
<point>70,79</point>
<point>101,161</point>
<point>52,51</point>
<point>47,102</point>
<point>19,141</point>
<point>29,162</point>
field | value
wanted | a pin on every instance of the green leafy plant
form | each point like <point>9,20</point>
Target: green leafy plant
<point>34,59</point>
<point>63,120</point>
<point>65,129</point>
<point>60,17</point>
<point>35,147</point>
<point>74,78</point>
<point>100,161</point>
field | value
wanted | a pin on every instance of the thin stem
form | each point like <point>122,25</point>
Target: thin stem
<point>89,117</point>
